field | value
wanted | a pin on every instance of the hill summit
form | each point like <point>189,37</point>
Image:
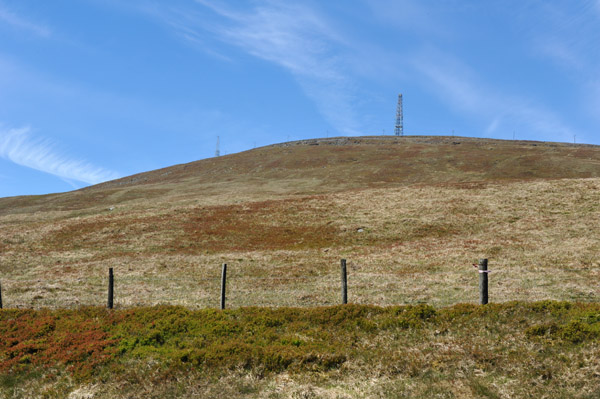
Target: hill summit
<point>317,166</point>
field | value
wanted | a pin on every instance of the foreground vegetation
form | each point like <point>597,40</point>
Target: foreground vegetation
<point>543,349</point>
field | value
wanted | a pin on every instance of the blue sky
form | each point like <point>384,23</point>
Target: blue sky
<point>92,90</point>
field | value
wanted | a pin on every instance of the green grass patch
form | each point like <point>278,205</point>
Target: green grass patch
<point>486,348</point>
<point>272,340</point>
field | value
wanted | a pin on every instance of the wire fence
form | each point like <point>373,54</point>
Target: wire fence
<point>232,288</point>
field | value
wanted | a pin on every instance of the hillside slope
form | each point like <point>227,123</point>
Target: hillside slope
<point>333,165</point>
<point>411,215</point>
<point>407,213</point>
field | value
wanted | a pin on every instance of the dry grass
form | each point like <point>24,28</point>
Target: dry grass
<point>329,165</point>
<point>403,245</point>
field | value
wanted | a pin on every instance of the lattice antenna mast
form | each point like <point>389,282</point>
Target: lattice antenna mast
<point>217,152</point>
<point>399,130</point>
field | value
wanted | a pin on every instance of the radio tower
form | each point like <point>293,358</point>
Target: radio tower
<point>217,152</point>
<point>399,130</point>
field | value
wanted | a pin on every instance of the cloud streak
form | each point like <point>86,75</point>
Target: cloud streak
<point>456,84</point>
<point>9,17</point>
<point>568,36</point>
<point>294,37</point>
<point>18,146</point>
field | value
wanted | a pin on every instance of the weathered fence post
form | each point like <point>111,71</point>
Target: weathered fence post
<point>223,285</point>
<point>344,282</point>
<point>111,286</point>
<point>0,295</point>
<point>483,281</point>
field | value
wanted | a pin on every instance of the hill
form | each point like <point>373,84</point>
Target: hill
<point>319,166</point>
<point>403,211</point>
<point>409,214</point>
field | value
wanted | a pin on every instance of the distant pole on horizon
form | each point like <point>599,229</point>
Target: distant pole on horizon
<point>217,152</point>
<point>399,129</point>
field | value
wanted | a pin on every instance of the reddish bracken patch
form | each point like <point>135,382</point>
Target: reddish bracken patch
<point>41,338</point>
<point>266,225</point>
<point>257,226</point>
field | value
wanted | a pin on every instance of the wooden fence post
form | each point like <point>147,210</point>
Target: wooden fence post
<point>483,281</point>
<point>344,282</point>
<point>111,286</point>
<point>223,285</point>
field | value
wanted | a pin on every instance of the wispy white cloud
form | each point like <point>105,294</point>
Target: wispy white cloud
<point>11,18</point>
<point>413,16</point>
<point>292,36</point>
<point>182,21</point>
<point>568,36</point>
<point>461,88</point>
<point>592,103</point>
<point>20,147</point>
<point>493,126</point>
<point>561,53</point>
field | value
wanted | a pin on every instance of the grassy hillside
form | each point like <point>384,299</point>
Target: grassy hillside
<point>332,165</point>
<point>409,214</point>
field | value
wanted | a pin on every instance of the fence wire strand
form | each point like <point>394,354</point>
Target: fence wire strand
<point>181,291</point>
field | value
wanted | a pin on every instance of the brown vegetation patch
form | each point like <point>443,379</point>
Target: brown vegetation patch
<point>92,233</point>
<point>46,339</point>
<point>265,225</point>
